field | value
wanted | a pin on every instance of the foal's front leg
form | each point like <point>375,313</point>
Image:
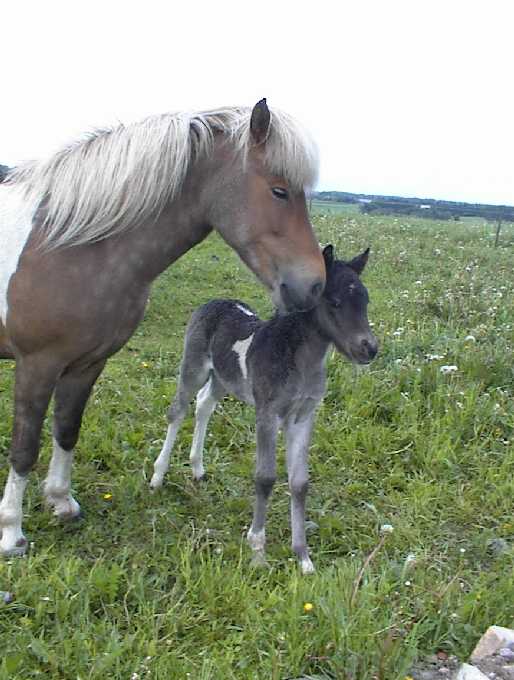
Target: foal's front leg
<point>297,442</point>
<point>265,476</point>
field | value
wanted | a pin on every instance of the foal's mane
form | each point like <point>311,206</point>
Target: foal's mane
<point>113,179</point>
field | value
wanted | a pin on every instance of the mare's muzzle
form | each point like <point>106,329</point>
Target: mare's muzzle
<point>299,297</point>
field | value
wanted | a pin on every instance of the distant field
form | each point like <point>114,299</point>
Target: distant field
<point>160,586</point>
<point>332,208</point>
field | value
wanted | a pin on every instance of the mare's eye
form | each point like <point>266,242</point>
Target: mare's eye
<point>281,193</point>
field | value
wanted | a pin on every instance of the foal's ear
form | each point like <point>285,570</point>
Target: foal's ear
<point>328,256</point>
<point>259,122</point>
<point>358,263</point>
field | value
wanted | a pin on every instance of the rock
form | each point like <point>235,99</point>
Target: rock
<point>6,597</point>
<point>498,546</point>
<point>506,653</point>
<point>491,641</point>
<point>467,672</point>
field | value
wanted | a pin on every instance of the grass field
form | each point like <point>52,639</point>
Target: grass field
<point>159,586</point>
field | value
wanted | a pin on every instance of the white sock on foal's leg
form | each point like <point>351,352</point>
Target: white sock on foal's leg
<point>13,542</point>
<point>58,484</point>
<point>162,463</point>
<point>205,405</point>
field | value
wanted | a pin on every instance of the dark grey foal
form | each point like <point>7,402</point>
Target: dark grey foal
<point>279,367</point>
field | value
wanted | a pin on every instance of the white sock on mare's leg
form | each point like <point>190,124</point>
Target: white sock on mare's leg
<point>12,542</point>
<point>58,484</point>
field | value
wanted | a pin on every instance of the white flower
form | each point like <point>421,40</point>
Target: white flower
<point>470,338</point>
<point>448,369</point>
<point>386,529</point>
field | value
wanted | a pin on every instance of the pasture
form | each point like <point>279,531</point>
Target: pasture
<point>160,585</point>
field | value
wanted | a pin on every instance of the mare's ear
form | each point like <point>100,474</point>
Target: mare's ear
<point>259,122</point>
<point>328,256</point>
<point>358,263</point>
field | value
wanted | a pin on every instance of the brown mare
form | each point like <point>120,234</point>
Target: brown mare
<point>84,234</point>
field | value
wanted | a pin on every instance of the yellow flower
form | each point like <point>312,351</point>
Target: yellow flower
<point>144,364</point>
<point>107,496</point>
<point>308,607</point>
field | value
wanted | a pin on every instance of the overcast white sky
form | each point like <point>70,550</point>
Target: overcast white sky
<point>408,98</point>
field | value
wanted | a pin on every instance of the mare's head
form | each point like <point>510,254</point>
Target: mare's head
<point>342,313</point>
<point>260,207</point>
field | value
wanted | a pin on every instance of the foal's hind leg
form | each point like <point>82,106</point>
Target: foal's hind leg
<point>298,436</point>
<point>265,475</point>
<point>35,381</point>
<point>71,395</point>
<point>194,373</point>
<point>206,399</point>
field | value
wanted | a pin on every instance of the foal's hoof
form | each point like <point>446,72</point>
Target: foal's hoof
<point>156,482</point>
<point>259,561</point>
<point>306,566</point>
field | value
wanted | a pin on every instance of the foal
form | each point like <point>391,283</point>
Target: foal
<point>279,367</point>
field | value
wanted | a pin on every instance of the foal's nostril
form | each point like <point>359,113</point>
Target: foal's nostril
<point>316,290</point>
<point>370,347</point>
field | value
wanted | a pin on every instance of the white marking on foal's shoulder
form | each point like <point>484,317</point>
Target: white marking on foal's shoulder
<point>15,226</point>
<point>241,348</point>
<point>245,310</point>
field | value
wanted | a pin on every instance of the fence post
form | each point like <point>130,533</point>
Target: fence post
<point>498,229</point>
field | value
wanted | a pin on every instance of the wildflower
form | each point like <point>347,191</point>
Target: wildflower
<point>448,369</point>
<point>470,338</point>
<point>386,529</point>
<point>308,607</point>
<point>144,364</point>
<point>107,496</point>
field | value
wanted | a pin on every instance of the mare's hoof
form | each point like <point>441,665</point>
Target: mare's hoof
<point>200,478</point>
<point>17,550</point>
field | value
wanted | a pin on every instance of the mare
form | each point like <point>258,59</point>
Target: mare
<point>84,233</point>
<point>279,367</point>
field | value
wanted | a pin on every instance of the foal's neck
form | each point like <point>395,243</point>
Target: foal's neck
<point>313,344</point>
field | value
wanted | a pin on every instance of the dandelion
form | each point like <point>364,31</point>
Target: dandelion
<point>107,496</point>
<point>308,607</point>
<point>144,364</point>
<point>445,370</point>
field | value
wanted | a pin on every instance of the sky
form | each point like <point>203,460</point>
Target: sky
<point>407,98</point>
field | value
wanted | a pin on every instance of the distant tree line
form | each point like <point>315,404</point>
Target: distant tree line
<point>420,207</point>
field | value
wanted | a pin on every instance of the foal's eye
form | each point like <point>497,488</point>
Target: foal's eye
<point>281,193</point>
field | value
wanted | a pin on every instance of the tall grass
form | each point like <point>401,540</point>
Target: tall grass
<point>160,586</point>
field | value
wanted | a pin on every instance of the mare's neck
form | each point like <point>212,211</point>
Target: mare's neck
<point>151,247</point>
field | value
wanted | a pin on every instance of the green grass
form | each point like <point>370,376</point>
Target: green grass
<point>160,586</point>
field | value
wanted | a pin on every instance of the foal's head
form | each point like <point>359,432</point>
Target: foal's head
<point>342,312</point>
<point>261,208</point>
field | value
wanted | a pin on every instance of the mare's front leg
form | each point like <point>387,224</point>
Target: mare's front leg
<point>71,395</point>
<point>265,476</point>
<point>36,376</point>
<point>298,436</point>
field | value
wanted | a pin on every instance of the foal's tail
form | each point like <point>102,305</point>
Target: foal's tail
<point>196,363</point>
<point>4,171</point>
